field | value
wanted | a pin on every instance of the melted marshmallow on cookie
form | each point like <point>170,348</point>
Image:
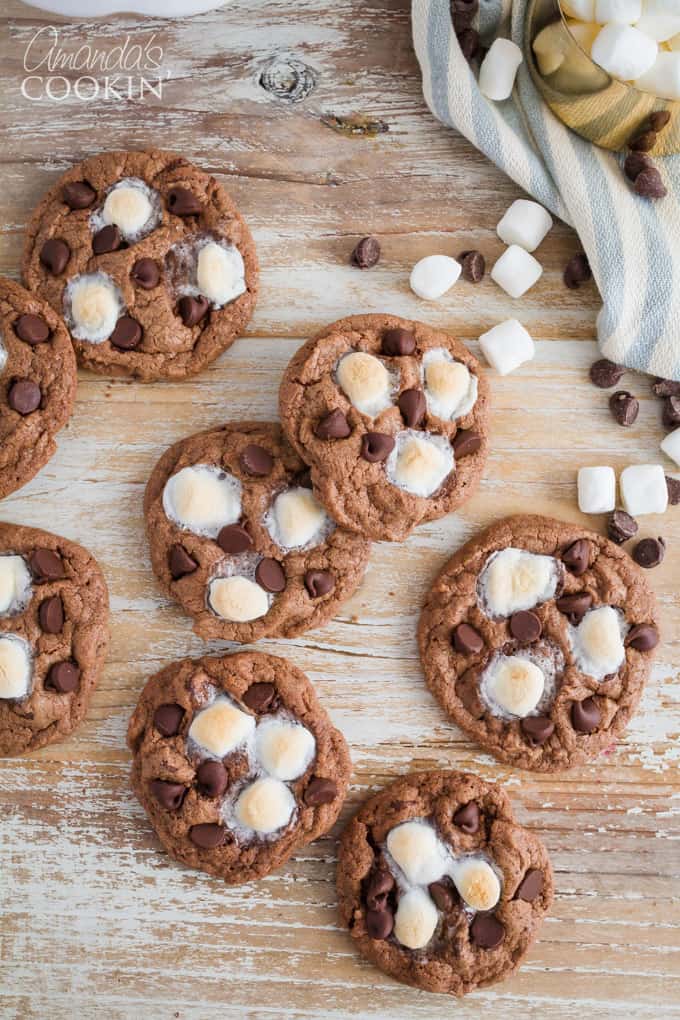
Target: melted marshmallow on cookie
<point>203,499</point>
<point>450,387</point>
<point>238,599</point>
<point>513,580</point>
<point>132,206</point>
<point>365,381</point>
<point>419,462</point>
<point>15,584</point>
<point>16,667</point>
<point>92,306</point>
<point>264,806</point>
<point>220,273</point>
<point>285,749</point>
<point>221,727</point>
<point>597,642</point>
<point>297,519</point>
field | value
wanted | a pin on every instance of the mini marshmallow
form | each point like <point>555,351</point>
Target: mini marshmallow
<point>220,273</point>
<point>622,12</point>
<point>674,43</point>
<point>129,206</point>
<point>663,77</point>
<point>507,346</point>
<point>238,599</point>
<point>514,579</point>
<point>550,48</point>
<point>15,584</point>
<point>433,276</point>
<point>596,490</point>
<point>265,806</point>
<point>221,728</point>
<point>584,10</point>
<point>516,271</point>
<point>525,223</point>
<point>597,642</point>
<point>93,305</point>
<point>418,852</point>
<point>365,381</point>
<point>284,749</point>
<point>477,883</point>
<point>499,69</point>
<point>419,462</point>
<point>203,499</point>
<point>15,667</point>
<point>623,51</point>
<point>584,33</point>
<point>660,19</point>
<point>671,445</point>
<point>514,683</point>
<point>296,519</point>
<point>416,919</point>
<point>644,489</point>
<point>450,387</point>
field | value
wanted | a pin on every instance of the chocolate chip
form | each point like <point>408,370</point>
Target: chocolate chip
<point>320,791</point>
<point>659,120</point>
<point>169,795</point>
<point>51,615</point>
<point>525,627</point>
<point>259,697</point>
<point>183,202</point>
<point>621,526</point>
<point>575,606</point>
<point>473,266</point>
<point>624,407</point>
<point>192,309</point>
<point>398,342</point>
<point>444,895</point>
<point>673,486</point>
<point>531,886</point>
<point>211,779</point>
<point>319,583</point>
<point>167,719</point>
<point>649,552</point>
<point>333,425</point>
<point>256,461</point>
<point>145,273</point>
<point>649,184</point>
<point>78,195</point>
<point>666,388</point>
<point>635,163</point>
<point>127,334</point>
<point>106,240</point>
<point>413,407</point>
<point>64,677</point>
<point>467,640</point>
<point>270,575</point>
<point>466,442</point>
<point>642,142</point>
<point>585,715</point>
<point>642,637</point>
<point>180,562</point>
<point>380,885</point>
<point>24,396</point>
<point>208,835</point>
<point>537,728</point>
<point>376,447</point>
<point>466,818</point>
<point>469,42</point>
<point>367,253</point>
<point>46,565</point>
<point>379,923</point>
<point>577,271</point>
<point>670,414</point>
<point>576,557</point>
<point>486,931</point>
<point>233,539</point>
<point>605,373</point>
<point>54,256</point>
<point>32,329</point>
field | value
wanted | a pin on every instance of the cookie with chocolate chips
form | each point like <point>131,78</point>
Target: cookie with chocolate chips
<point>391,415</point>
<point>236,763</point>
<point>537,639</point>
<point>147,259</point>
<point>239,539</point>
<point>438,884</point>
<point>54,611</point>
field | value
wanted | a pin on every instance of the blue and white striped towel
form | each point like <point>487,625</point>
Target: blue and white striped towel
<point>633,244</point>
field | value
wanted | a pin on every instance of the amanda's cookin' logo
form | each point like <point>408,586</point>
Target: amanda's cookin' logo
<point>87,72</point>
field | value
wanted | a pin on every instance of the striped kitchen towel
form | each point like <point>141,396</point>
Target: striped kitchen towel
<point>633,244</point>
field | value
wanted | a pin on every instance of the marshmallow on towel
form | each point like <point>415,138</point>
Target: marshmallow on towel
<point>507,346</point>
<point>596,490</point>
<point>499,69</point>
<point>644,489</point>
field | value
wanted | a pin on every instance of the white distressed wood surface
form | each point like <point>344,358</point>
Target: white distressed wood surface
<point>95,921</point>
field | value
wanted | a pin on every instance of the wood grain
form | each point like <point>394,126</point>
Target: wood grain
<point>95,920</point>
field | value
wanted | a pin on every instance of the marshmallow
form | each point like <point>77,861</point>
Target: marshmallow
<point>671,445</point>
<point>674,43</point>
<point>507,346</point>
<point>415,920</point>
<point>265,806</point>
<point>513,580</point>
<point>584,10</point>
<point>297,519</point>
<point>419,462</point>
<point>365,381</point>
<point>238,599</point>
<point>220,273</point>
<point>450,388</point>
<point>644,489</point>
<point>623,51</point>
<point>203,499</point>
<point>597,642</point>
<point>130,205</point>
<point>596,490</point>
<point>516,271</point>
<point>477,883</point>
<point>623,12</point>
<point>433,276</point>
<point>660,19</point>
<point>3,354</point>
<point>418,852</point>
<point>284,749</point>
<point>550,48</point>
<point>15,666</point>
<point>663,77</point>
<point>15,584</point>
<point>499,69</point>
<point>525,223</point>
<point>584,33</point>
<point>514,683</point>
<point>93,305</point>
<point>221,728</point>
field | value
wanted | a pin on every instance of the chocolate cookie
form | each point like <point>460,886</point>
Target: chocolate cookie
<point>147,259</point>
<point>438,884</point>
<point>238,538</point>
<point>38,388</point>
<point>536,638</point>
<point>236,763</point>
<point>391,416</point>
<point>54,610</point>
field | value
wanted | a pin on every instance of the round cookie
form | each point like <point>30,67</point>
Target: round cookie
<point>38,384</point>
<point>438,884</point>
<point>391,415</point>
<point>54,609</point>
<point>236,763</point>
<point>147,259</point>
<point>536,638</point>
<point>239,540</point>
